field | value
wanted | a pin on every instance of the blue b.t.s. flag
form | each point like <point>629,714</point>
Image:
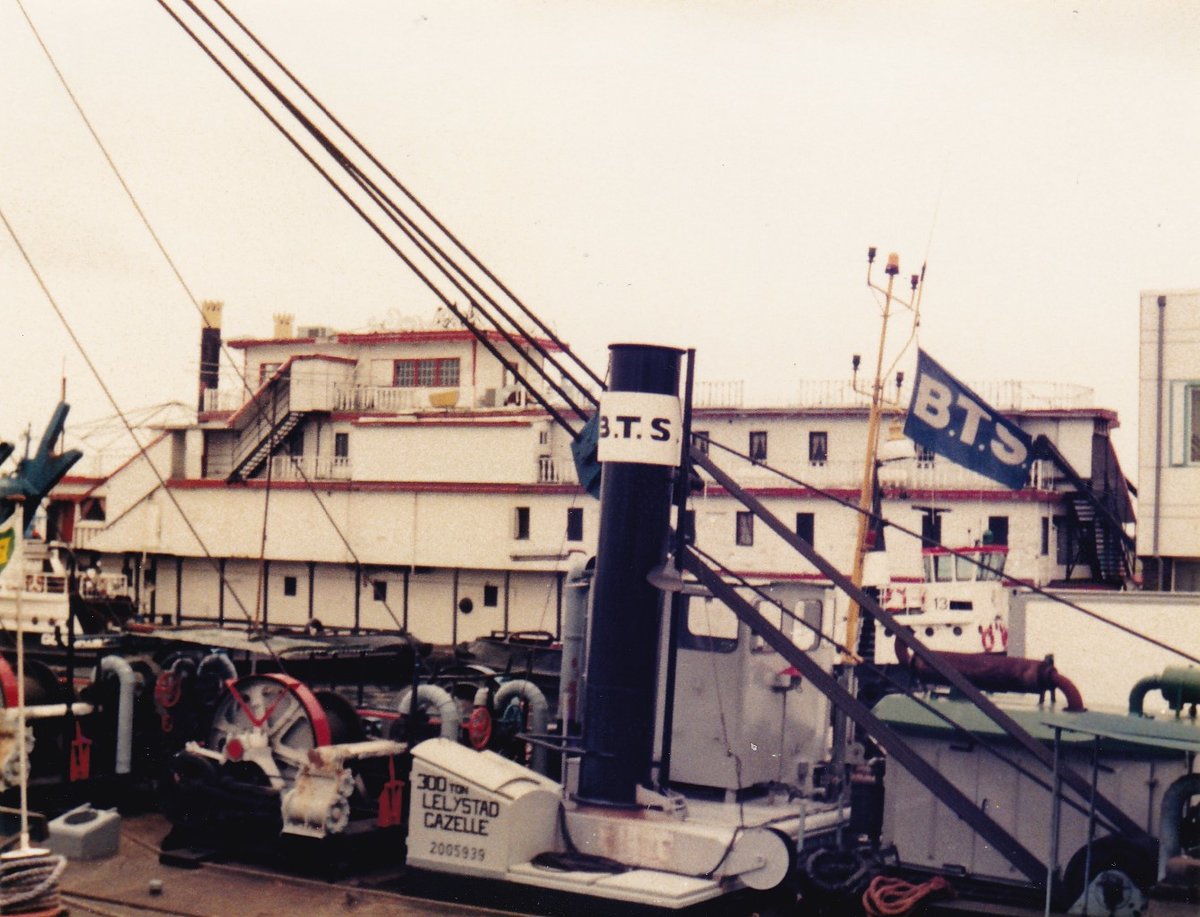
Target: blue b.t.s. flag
<point>949,419</point>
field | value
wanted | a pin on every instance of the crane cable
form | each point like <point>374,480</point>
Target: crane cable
<point>963,555</point>
<point>413,198</point>
<point>397,216</point>
<point>122,415</point>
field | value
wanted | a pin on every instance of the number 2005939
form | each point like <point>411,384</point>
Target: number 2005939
<point>457,851</point>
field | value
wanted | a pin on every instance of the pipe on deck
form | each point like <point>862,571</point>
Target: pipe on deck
<point>127,680</point>
<point>990,672</point>
<point>538,713</point>
<point>435,698</point>
<point>1171,821</point>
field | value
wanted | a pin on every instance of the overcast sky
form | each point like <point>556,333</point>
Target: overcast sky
<point>706,174</point>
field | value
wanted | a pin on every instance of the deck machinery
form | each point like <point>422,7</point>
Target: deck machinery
<point>736,806</point>
<point>682,766</point>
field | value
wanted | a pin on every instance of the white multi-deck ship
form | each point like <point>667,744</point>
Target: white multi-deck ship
<point>404,479</point>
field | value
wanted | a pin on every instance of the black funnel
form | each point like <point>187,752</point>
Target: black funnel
<point>639,448</point>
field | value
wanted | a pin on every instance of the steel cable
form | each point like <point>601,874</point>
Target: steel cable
<point>957,553</point>
<point>398,217</point>
<point>412,197</point>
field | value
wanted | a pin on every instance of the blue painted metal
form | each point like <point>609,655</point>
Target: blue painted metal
<point>948,418</point>
<point>37,474</point>
<point>622,670</point>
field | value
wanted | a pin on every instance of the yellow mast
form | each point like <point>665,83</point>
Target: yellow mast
<point>870,465</point>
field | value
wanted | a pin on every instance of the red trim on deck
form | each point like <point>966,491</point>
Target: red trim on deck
<point>436,421</point>
<point>466,487</point>
<point>81,479</point>
<point>800,410</point>
<point>390,337</point>
<point>899,495</point>
<point>969,549</point>
<point>243,343</point>
<point>99,482</point>
<point>525,416</point>
<point>791,576</point>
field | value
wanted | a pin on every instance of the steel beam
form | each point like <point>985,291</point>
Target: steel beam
<point>953,677</point>
<point>889,740</point>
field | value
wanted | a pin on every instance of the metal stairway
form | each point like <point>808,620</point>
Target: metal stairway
<point>1102,547</point>
<point>271,420</point>
<point>1103,543</point>
<point>246,467</point>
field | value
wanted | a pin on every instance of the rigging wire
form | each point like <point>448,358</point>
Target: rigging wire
<point>956,552</point>
<point>113,401</point>
<point>881,673</point>
<point>391,210</point>
<point>260,408</point>
<point>409,194</point>
<point>421,275</point>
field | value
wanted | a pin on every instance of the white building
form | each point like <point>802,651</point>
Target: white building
<point>401,479</point>
<point>1169,440</point>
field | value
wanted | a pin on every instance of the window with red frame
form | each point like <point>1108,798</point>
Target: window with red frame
<point>434,372</point>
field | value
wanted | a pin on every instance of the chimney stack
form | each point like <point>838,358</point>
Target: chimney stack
<point>210,347</point>
<point>283,326</point>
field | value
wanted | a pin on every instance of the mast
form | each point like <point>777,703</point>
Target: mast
<point>870,475</point>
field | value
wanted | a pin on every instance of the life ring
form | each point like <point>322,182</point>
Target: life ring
<point>987,637</point>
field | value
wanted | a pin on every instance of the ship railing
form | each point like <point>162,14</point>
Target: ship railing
<point>1008,395</point>
<point>53,583</point>
<point>85,533</point>
<point>330,392</point>
<point>830,393</point>
<point>909,474</point>
<point>316,468</point>
<point>350,397</point>
<point>94,585</point>
<point>218,400</point>
<point>549,471</point>
<point>719,394</point>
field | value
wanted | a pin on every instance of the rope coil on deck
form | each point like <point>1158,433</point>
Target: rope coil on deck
<point>887,896</point>
<point>29,883</point>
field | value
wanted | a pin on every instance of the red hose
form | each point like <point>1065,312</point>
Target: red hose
<point>891,897</point>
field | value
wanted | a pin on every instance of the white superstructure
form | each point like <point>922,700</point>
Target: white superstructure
<point>405,479</point>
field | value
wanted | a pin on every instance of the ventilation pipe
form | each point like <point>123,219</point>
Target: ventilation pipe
<point>1180,685</point>
<point>127,680</point>
<point>210,347</point>
<point>1174,807</point>
<point>220,662</point>
<point>435,699</point>
<point>538,716</point>
<point>574,631</point>
<point>1159,585</point>
<point>284,327</point>
<point>639,447</point>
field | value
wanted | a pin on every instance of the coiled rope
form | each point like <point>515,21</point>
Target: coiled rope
<point>29,883</point>
<point>891,897</point>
